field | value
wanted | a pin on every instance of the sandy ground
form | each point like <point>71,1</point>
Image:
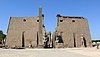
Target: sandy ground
<point>92,52</point>
<point>66,52</point>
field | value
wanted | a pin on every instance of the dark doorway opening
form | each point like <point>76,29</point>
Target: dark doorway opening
<point>74,39</point>
<point>23,42</point>
<point>37,38</point>
<point>74,43</point>
<point>84,41</point>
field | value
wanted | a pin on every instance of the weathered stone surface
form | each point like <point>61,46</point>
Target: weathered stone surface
<point>72,29</point>
<point>26,31</point>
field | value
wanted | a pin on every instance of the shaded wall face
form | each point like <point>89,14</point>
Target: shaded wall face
<point>17,26</point>
<point>72,30</point>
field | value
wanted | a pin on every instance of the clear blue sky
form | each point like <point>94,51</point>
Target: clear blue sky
<point>87,8</point>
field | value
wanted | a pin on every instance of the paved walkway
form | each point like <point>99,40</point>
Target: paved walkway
<point>68,52</point>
